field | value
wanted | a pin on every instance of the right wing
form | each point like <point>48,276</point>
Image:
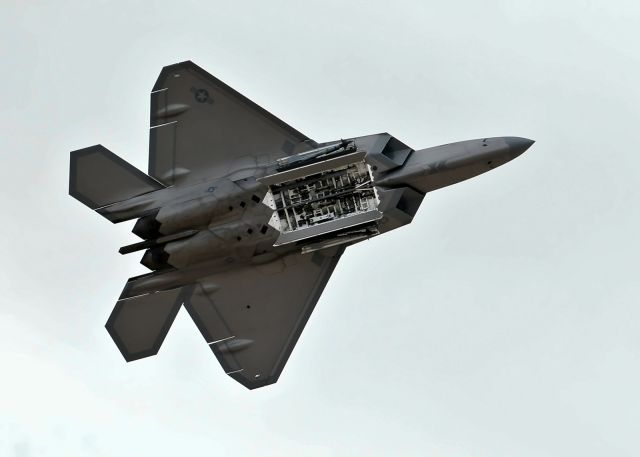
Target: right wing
<point>202,127</point>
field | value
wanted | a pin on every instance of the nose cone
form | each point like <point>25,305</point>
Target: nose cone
<point>518,145</point>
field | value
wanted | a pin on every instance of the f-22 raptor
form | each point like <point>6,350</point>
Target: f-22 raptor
<point>243,218</point>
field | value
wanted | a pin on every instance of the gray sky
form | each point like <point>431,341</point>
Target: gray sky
<point>502,322</point>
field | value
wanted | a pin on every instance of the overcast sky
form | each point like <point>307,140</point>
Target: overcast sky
<point>502,322</point>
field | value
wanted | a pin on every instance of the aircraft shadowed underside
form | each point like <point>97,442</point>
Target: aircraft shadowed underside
<point>243,218</point>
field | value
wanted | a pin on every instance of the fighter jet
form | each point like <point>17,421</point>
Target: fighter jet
<point>243,218</point>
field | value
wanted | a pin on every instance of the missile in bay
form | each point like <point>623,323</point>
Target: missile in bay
<point>243,218</point>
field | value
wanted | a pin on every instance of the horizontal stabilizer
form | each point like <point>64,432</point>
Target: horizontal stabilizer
<point>138,325</point>
<point>98,178</point>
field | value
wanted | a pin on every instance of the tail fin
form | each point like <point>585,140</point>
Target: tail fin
<point>98,178</point>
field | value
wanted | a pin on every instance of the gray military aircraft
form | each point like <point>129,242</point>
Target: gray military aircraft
<point>243,218</point>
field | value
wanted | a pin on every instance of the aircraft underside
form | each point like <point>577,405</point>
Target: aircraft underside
<point>243,218</point>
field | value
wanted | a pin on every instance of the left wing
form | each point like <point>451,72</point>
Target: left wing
<point>202,127</point>
<point>252,317</point>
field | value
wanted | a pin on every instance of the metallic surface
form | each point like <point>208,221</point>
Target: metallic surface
<point>250,269</point>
